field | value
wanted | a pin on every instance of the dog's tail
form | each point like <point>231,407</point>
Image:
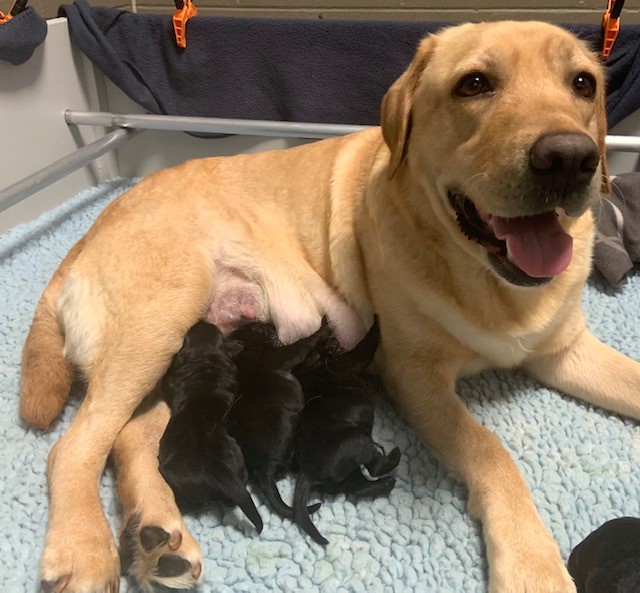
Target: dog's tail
<point>301,512</point>
<point>380,463</point>
<point>239,494</point>
<point>46,374</point>
<point>272,494</point>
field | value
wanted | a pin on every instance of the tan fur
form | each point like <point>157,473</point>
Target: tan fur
<point>350,220</point>
<point>147,497</point>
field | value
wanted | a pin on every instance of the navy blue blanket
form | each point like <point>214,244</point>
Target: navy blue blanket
<point>275,69</point>
<point>20,36</point>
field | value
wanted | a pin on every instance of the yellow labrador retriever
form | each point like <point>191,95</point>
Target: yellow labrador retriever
<point>463,223</point>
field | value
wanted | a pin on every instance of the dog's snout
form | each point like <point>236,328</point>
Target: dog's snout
<point>564,161</point>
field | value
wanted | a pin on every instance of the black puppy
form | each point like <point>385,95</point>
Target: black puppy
<point>608,560</point>
<point>198,458</point>
<point>264,418</point>
<point>334,431</point>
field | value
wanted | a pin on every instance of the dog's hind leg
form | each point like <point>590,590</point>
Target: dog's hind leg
<point>128,351</point>
<point>156,548</point>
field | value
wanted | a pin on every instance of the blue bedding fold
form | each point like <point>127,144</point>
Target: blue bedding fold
<point>276,69</point>
<point>582,464</point>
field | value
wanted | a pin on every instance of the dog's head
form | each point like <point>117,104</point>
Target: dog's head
<point>505,124</point>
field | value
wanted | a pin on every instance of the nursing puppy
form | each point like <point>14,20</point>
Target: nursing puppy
<point>198,458</point>
<point>264,418</point>
<point>608,559</point>
<point>334,432</point>
<point>463,223</point>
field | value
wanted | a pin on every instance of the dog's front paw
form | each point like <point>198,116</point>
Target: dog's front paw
<point>80,560</point>
<point>539,571</point>
<point>156,558</point>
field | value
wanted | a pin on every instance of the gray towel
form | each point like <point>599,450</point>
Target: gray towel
<point>617,246</point>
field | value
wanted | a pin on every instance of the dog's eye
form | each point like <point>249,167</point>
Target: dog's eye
<point>472,85</point>
<point>584,85</point>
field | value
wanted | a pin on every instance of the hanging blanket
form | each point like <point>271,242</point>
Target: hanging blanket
<point>321,71</point>
<point>20,36</point>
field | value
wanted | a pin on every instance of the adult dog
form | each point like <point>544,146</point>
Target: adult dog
<point>492,137</point>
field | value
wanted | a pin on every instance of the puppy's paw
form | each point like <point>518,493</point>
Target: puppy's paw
<point>347,326</point>
<point>80,560</point>
<point>541,570</point>
<point>157,558</point>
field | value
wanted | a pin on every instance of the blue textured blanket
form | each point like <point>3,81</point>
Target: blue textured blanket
<point>582,464</point>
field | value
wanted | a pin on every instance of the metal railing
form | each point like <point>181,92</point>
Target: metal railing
<point>127,124</point>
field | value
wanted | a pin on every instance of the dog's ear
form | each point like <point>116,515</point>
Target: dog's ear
<point>396,105</point>
<point>602,133</point>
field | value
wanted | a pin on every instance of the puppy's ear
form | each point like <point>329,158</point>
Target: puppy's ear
<point>602,133</point>
<point>396,105</point>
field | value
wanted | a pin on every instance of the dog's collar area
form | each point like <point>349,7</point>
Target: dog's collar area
<point>473,227</point>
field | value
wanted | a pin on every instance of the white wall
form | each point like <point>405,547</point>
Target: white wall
<point>33,133</point>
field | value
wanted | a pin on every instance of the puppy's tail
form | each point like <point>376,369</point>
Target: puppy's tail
<point>301,512</point>
<point>238,493</point>
<point>272,494</point>
<point>46,374</point>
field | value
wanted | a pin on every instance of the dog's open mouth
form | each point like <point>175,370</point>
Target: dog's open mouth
<point>527,251</point>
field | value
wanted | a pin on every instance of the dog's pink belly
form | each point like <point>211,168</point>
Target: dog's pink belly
<point>232,310</point>
<point>236,302</point>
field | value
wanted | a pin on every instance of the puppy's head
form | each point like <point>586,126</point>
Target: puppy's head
<point>256,337</point>
<point>504,124</point>
<point>204,352</point>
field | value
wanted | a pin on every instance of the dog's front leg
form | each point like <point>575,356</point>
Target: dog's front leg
<point>593,372</point>
<point>523,557</point>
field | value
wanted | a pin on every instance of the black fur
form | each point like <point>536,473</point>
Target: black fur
<point>198,458</point>
<point>334,431</point>
<point>608,560</point>
<point>265,416</point>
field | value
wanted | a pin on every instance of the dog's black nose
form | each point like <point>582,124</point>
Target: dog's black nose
<point>562,162</point>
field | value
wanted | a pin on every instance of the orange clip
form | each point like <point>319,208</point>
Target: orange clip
<point>610,28</point>
<point>180,18</point>
<point>18,7</point>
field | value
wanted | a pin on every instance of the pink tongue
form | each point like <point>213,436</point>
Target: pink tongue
<point>538,244</point>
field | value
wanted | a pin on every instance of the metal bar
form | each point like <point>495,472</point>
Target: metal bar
<point>252,127</point>
<point>20,190</point>
<point>623,143</point>
<point>210,125</point>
